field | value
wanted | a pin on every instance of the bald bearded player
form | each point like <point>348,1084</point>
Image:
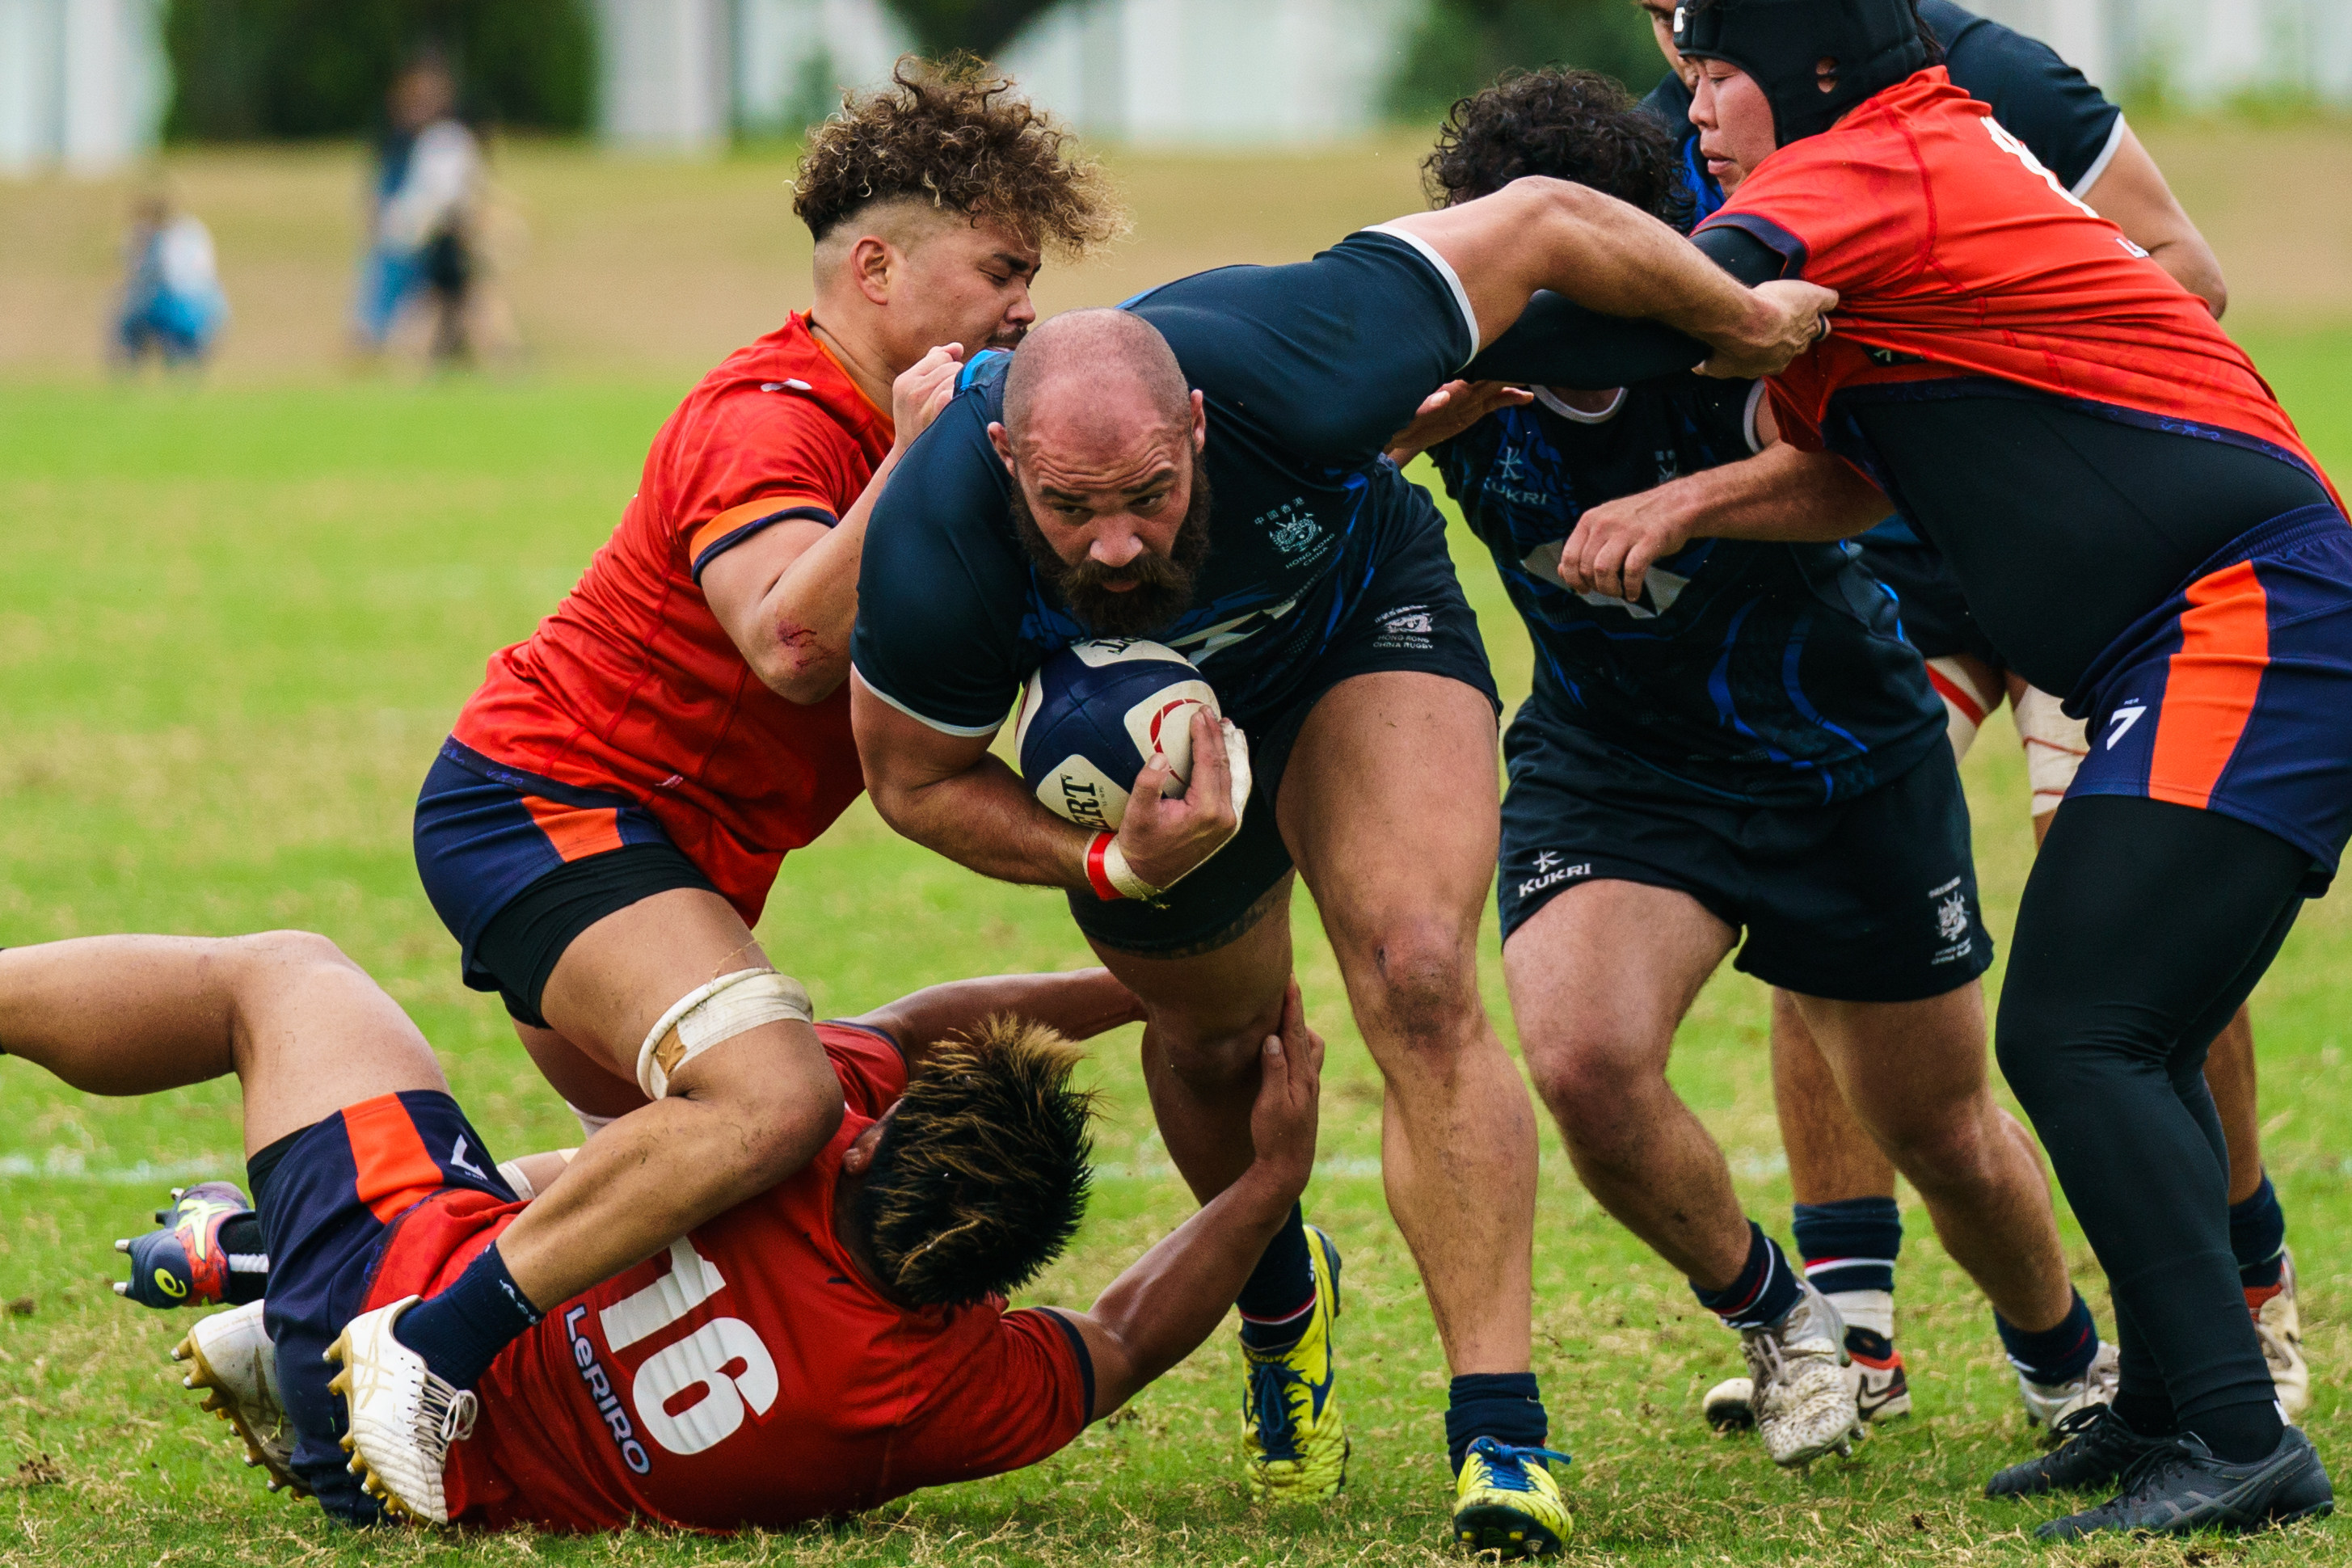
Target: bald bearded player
<point>1202,468</point>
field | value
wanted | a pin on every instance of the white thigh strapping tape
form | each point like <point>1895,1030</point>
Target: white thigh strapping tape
<point>721,1010</point>
<point>2054,747</point>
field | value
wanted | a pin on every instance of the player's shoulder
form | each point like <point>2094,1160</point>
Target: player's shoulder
<point>785,381</point>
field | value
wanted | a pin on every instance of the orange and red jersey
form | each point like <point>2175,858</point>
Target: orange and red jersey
<point>749,1376</point>
<point>632,686</point>
<point>1955,254</point>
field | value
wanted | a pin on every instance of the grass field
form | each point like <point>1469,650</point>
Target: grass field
<point>234,624</point>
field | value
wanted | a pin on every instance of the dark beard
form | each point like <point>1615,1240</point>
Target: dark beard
<point>1163,584</point>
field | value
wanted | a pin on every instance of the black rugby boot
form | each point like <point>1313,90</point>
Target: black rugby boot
<point>2182,1486</point>
<point>2099,1446</point>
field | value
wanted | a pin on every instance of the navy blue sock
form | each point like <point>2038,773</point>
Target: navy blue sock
<point>2056,1355</point>
<point>2258,1237</point>
<point>1767,1286</point>
<point>1280,1295</point>
<point>1849,1245</point>
<point>1504,1405</point>
<point>461,1331</point>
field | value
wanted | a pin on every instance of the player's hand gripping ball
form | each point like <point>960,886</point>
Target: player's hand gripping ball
<point>1095,714</point>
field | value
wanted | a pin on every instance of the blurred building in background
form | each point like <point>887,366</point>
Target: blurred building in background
<point>88,85</point>
<point>82,83</point>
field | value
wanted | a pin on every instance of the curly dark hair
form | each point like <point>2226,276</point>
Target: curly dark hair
<point>982,1177</point>
<point>949,134</point>
<point>1567,124</point>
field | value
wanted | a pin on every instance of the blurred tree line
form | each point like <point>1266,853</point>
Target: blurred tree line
<point>244,68</point>
<point>1460,45</point>
<point>248,68</point>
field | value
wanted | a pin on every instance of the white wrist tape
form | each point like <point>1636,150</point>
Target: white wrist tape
<point>728,1006</point>
<point>2054,747</point>
<point>1237,764</point>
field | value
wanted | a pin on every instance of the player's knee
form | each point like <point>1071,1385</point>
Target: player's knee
<point>1417,974</point>
<point>273,956</point>
<point>786,1118</point>
<point>1587,1079</point>
<point>1953,1152</point>
<point>1211,1054</point>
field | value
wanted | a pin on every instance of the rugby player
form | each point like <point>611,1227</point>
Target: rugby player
<point>1847,1227</point>
<point>829,1344</point>
<point>1202,468</point>
<point>601,830</point>
<point>2027,385</point>
<point>1751,744</point>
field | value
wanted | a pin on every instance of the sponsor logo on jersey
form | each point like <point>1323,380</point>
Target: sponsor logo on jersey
<point>1293,530</point>
<point>1551,870</point>
<point>600,1390</point>
<point>1505,482</point>
<point>458,1161</point>
<point>1407,627</point>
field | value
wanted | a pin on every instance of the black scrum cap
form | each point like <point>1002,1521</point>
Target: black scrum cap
<point>1875,44</point>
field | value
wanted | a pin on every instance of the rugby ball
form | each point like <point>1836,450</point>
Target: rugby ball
<point>1095,714</point>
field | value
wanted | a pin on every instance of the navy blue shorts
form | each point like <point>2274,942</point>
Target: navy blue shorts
<point>2235,696</point>
<point>1410,615</point>
<point>331,1198</point>
<point>1872,899</point>
<point>517,866</point>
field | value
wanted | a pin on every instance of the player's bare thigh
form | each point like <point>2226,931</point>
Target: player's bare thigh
<point>1229,989</point>
<point>313,1033</point>
<point>1600,977</point>
<point>618,977</point>
<point>1907,1069</point>
<point>1391,807</point>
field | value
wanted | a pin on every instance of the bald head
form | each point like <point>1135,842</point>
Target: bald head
<point>1088,372</point>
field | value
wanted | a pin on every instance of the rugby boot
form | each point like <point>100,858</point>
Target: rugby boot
<point>229,1356</point>
<point>1803,1401</point>
<point>184,1264</point>
<point>1505,1501</point>
<point>1294,1442</point>
<point>2279,1326</point>
<point>1882,1392</point>
<point>2181,1486</point>
<point>403,1417</point>
<point>2048,1404</point>
<point>2095,1449</point>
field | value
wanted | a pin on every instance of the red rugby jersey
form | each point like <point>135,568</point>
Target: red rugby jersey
<point>632,686</point>
<point>1955,254</point>
<point>748,1376</point>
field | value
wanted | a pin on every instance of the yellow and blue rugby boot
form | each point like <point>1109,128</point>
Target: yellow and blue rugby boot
<point>1505,1501</point>
<point>1294,1442</point>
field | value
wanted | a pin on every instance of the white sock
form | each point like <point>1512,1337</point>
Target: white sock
<point>1871,1310</point>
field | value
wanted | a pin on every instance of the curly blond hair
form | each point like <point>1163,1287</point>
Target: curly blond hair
<point>982,1177</point>
<point>951,135</point>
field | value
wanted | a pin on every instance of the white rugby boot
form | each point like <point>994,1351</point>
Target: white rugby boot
<point>1882,1388</point>
<point>229,1356</point>
<point>2047,1405</point>
<point>2279,1326</point>
<point>1803,1402</point>
<point>403,1418</point>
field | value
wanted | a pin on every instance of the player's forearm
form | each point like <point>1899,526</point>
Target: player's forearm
<point>1615,259</point>
<point>1174,1296</point>
<point>1079,1005</point>
<point>813,605</point>
<point>984,818</point>
<point>1782,494</point>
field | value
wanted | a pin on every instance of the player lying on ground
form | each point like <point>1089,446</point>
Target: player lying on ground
<point>2026,385</point>
<point>832,1343</point>
<point>1751,744</point>
<point>1847,1227</point>
<point>1201,467</point>
<point>601,829</point>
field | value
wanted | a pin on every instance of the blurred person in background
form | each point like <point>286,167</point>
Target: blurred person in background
<point>427,168</point>
<point>172,300</point>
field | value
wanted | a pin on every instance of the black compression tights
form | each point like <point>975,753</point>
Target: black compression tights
<point>2143,926</point>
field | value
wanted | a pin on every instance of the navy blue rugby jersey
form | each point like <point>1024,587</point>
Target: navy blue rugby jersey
<point>1307,371</point>
<point>1770,674</point>
<point>2046,103</point>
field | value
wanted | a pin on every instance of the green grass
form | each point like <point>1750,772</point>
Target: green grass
<point>233,627</point>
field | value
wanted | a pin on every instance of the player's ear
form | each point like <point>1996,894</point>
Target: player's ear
<point>873,263</point>
<point>858,1158</point>
<point>1002,439</point>
<point>1199,421</point>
